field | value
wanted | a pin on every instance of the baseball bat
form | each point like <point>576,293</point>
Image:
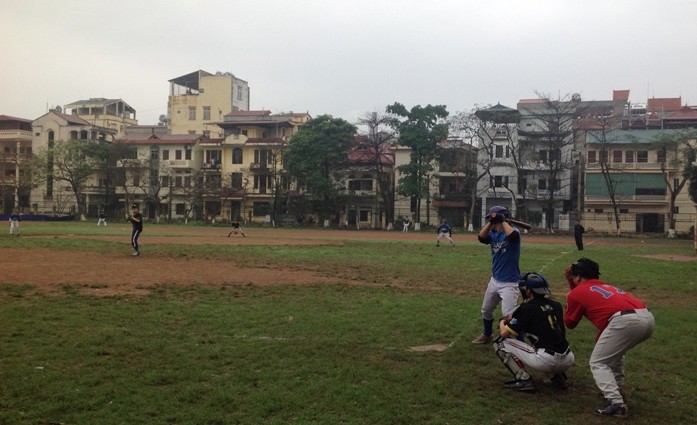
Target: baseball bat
<point>521,224</point>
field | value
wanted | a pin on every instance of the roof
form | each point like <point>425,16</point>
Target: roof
<point>617,137</point>
<point>163,139</point>
<point>97,101</point>
<point>664,104</point>
<point>685,113</point>
<point>530,101</point>
<point>498,113</point>
<point>72,119</point>
<point>10,118</point>
<point>248,113</point>
<point>190,80</point>
<point>367,155</point>
<point>621,95</point>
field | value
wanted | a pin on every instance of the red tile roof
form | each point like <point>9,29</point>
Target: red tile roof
<point>9,118</point>
<point>685,113</point>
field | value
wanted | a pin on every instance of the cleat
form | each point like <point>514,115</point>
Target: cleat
<point>136,253</point>
<point>520,385</point>
<point>617,410</point>
<point>482,339</point>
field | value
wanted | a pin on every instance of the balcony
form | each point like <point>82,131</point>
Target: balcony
<point>180,163</point>
<point>15,134</point>
<point>453,200</point>
<point>211,167</point>
<point>629,166</point>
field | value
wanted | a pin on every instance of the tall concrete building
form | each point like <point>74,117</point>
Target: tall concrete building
<point>200,99</point>
<point>15,147</point>
<point>114,114</point>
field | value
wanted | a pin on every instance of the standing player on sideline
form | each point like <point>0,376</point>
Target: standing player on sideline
<point>542,321</point>
<point>505,272</point>
<point>623,321</point>
<point>14,222</point>
<point>444,231</point>
<point>236,228</point>
<point>405,225</point>
<point>136,220</point>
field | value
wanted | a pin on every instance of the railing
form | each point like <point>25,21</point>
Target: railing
<point>15,134</point>
<point>606,198</point>
<point>180,163</point>
<point>629,165</point>
<point>258,166</point>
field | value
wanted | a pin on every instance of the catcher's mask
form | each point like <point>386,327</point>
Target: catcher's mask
<point>535,281</point>
<point>586,268</point>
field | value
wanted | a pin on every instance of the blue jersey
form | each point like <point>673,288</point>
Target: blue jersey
<point>444,228</point>
<point>15,217</point>
<point>505,255</point>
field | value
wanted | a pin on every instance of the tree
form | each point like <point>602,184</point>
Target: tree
<point>379,140</point>
<point>690,173</point>
<point>551,128</point>
<point>68,162</point>
<point>314,154</point>
<point>421,129</point>
<point>106,156</point>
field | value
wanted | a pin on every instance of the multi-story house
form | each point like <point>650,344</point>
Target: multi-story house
<point>114,114</point>
<point>56,196</point>
<point>640,170</point>
<point>160,173</point>
<point>248,163</point>
<point>15,147</point>
<point>198,100</point>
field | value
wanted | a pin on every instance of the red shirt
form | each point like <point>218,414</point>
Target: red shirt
<point>597,301</point>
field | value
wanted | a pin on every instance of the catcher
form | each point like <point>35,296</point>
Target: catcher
<point>623,322</point>
<point>541,320</point>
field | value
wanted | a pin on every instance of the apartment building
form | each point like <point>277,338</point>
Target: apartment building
<point>56,197</point>
<point>248,163</point>
<point>200,99</point>
<point>15,147</point>
<point>114,114</point>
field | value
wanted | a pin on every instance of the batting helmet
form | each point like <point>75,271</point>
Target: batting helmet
<point>534,281</point>
<point>498,210</point>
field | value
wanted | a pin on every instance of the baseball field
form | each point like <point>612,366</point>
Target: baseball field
<point>308,326</point>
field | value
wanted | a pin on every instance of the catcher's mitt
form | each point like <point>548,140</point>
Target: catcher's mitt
<point>569,276</point>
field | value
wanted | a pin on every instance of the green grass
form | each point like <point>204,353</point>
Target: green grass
<point>323,354</point>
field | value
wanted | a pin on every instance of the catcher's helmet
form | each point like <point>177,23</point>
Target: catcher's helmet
<point>499,210</point>
<point>534,281</point>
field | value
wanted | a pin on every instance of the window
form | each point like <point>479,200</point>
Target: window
<point>154,153</point>
<point>676,183</point>
<point>543,156</point>
<point>660,156</point>
<point>542,184</point>
<point>177,181</point>
<point>136,179</point>
<point>555,155</point>
<point>165,154</point>
<point>260,209</point>
<point>500,181</point>
<point>591,157</point>
<point>165,181</point>
<point>522,184</point>
<point>598,210</point>
<point>676,210</point>
<point>629,156</point>
<point>236,180</point>
<point>239,92</point>
<point>603,157</point>
<point>178,154</point>
<point>263,156</point>
<point>192,113</point>
<point>206,112</point>
<point>187,154</point>
<point>616,156</point>
<point>237,156</point>
<point>499,151</point>
<point>363,215</point>
<point>180,209</point>
<point>508,151</point>
<point>624,210</point>
<point>642,156</point>
<point>187,181</point>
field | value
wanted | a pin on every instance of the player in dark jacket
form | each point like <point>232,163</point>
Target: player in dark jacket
<point>541,320</point>
<point>136,220</point>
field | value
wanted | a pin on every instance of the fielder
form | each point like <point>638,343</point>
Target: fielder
<point>102,219</point>
<point>444,231</point>
<point>14,222</point>
<point>623,322</point>
<point>236,228</point>
<point>136,220</point>
<point>542,321</point>
<point>405,225</point>
<point>505,272</point>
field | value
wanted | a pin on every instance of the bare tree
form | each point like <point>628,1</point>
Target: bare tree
<point>378,140</point>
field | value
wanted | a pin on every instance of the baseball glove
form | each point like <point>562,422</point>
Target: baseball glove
<point>496,218</point>
<point>569,277</point>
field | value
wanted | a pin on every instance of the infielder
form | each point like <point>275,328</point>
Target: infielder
<point>14,222</point>
<point>236,228</point>
<point>623,322</point>
<point>505,272</point>
<point>136,220</point>
<point>444,231</point>
<point>102,219</point>
<point>542,321</point>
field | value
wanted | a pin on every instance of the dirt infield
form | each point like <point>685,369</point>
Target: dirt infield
<point>103,274</point>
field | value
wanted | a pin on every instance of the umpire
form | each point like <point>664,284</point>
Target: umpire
<point>623,322</point>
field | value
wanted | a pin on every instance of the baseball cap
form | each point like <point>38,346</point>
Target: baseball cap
<point>585,267</point>
<point>134,206</point>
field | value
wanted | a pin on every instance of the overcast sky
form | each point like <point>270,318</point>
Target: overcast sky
<point>345,58</point>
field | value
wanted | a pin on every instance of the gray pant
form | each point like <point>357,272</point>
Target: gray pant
<point>623,332</point>
<point>506,293</point>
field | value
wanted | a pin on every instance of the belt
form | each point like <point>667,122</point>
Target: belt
<point>552,352</point>
<point>625,312</point>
